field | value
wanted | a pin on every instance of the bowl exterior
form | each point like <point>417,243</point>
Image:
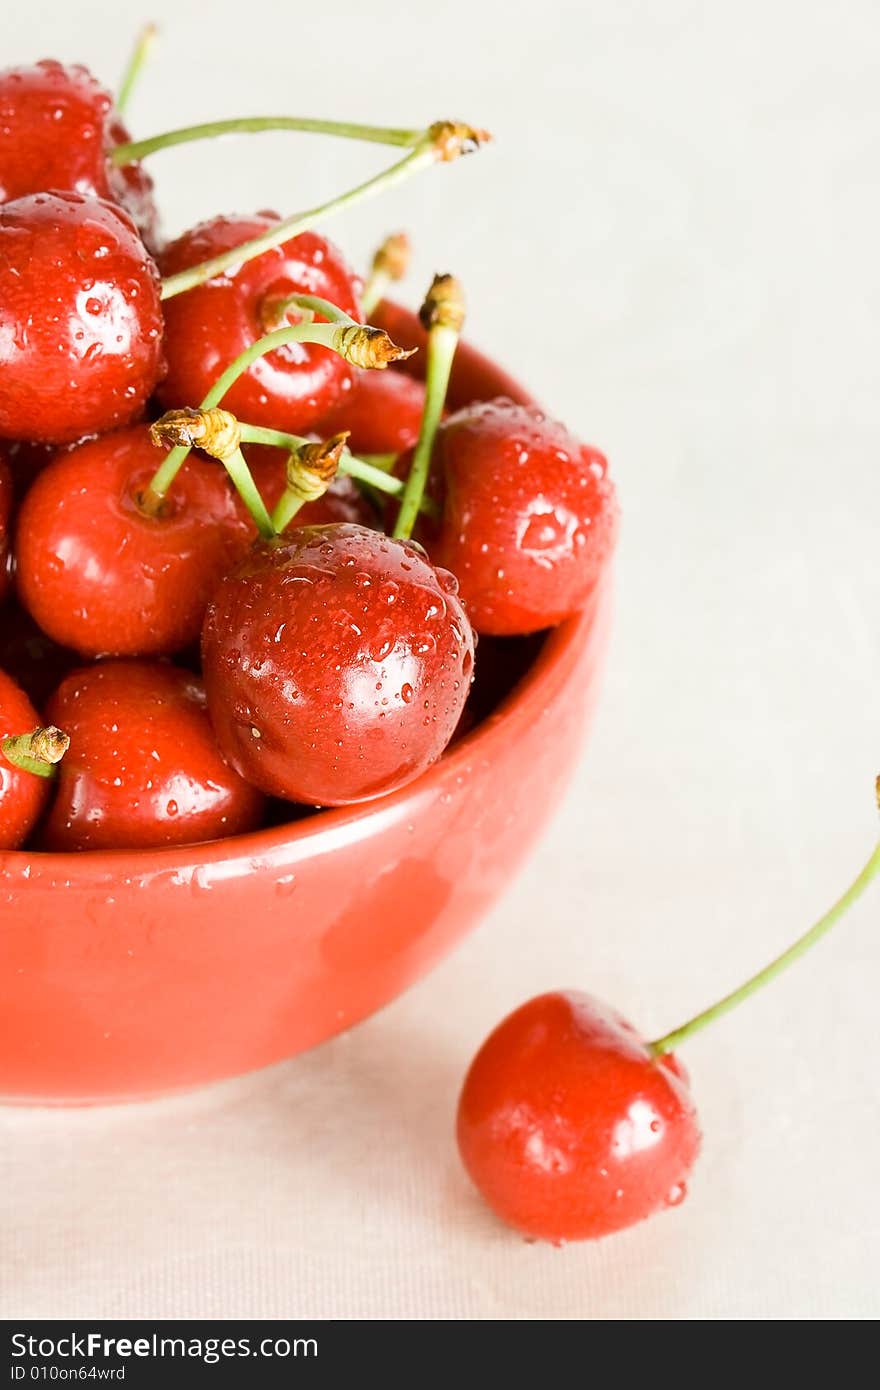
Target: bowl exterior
<point>129,975</point>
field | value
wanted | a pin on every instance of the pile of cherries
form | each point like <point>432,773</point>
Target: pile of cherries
<point>188,640</point>
<point>207,638</point>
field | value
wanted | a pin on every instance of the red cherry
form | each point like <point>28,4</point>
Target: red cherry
<point>382,412</point>
<point>100,575</point>
<point>5,516</point>
<point>32,659</point>
<point>80,318</point>
<point>143,767</point>
<point>337,663</point>
<point>22,794</point>
<point>57,126</point>
<point>570,1127</point>
<point>529,516</point>
<point>205,329</point>
<point>343,501</point>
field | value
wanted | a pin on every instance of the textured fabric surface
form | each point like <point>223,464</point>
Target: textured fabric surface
<point>675,244</point>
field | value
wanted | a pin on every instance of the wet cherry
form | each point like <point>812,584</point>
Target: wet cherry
<point>80,318</point>
<point>143,768</point>
<point>57,126</point>
<point>206,328</point>
<point>102,576</point>
<point>570,1127</point>
<point>337,663</point>
<point>529,516</point>
<point>23,795</point>
<point>382,412</point>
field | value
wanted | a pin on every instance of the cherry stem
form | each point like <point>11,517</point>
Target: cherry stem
<point>243,482</point>
<point>144,44</point>
<point>384,462</point>
<point>310,471</point>
<point>255,125</point>
<point>363,470</point>
<point>443,141</point>
<point>763,977</point>
<point>442,314</point>
<point>277,309</point>
<point>38,751</point>
<point>390,264</point>
<point>358,343</point>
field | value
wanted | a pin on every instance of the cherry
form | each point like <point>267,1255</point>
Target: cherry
<point>382,412</point>
<point>5,515</point>
<point>57,128</point>
<point>568,1124</point>
<point>529,516</point>
<point>343,501</point>
<point>32,659</point>
<point>572,1126</point>
<point>102,575</point>
<point>23,795</point>
<point>80,318</point>
<point>337,663</point>
<point>289,389</point>
<point>143,767</point>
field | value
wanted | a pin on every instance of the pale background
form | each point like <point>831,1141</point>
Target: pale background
<point>675,243</point>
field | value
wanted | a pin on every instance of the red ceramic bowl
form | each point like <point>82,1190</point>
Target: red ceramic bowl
<point>126,975</point>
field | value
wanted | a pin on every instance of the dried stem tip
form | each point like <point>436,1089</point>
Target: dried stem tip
<point>38,751</point>
<point>444,305</point>
<point>365,346</point>
<point>452,139</point>
<point>312,467</point>
<point>393,257</point>
<point>216,431</point>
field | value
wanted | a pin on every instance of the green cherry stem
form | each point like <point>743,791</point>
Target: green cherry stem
<point>144,45</point>
<point>671,1040</point>
<point>360,344</point>
<point>274,310</point>
<point>215,432</point>
<point>243,482</point>
<point>442,314</point>
<point>443,142</point>
<point>38,751</point>
<point>255,125</point>
<point>361,469</point>
<point>310,470</point>
<point>390,264</point>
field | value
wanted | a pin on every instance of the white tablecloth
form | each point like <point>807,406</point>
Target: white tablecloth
<point>675,243</point>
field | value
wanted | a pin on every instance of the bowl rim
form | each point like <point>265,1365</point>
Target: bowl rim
<point>319,831</point>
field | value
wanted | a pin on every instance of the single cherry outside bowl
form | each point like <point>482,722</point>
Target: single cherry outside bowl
<point>126,975</point>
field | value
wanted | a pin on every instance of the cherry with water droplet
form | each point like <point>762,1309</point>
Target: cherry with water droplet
<point>143,768</point>
<point>289,389</point>
<point>529,516</point>
<point>102,575</point>
<point>307,649</point>
<point>568,1124</point>
<point>58,126</point>
<point>572,1126</point>
<point>80,318</point>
